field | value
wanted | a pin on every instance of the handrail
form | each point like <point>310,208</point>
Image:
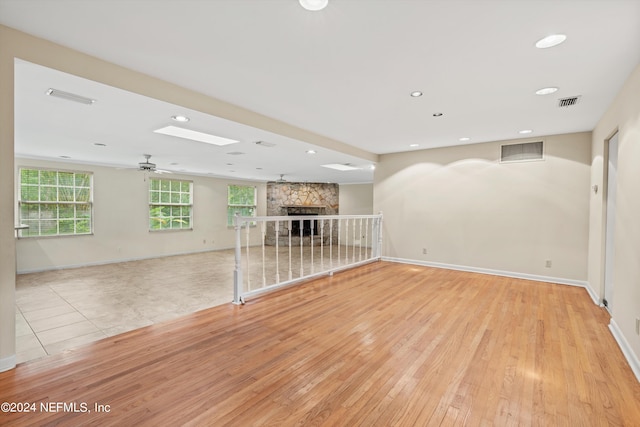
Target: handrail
<point>18,229</point>
<point>325,244</point>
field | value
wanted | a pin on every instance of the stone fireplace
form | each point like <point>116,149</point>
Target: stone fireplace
<point>301,199</point>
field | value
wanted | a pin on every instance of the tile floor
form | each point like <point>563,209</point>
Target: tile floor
<point>62,309</point>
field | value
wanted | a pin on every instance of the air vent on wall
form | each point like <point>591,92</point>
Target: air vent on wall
<point>521,152</point>
<point>568,102</point>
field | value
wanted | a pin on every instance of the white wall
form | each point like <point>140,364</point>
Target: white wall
<point>623,115</point>
<point>121,230</point>
<point>469,210</point>
<point>356,199</point>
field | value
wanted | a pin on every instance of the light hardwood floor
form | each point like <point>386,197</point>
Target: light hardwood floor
<point>383,344</point>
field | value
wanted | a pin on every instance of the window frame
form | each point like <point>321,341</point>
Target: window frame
<point>254,206</point>
<point>171,204</point>
<point>56,203</point>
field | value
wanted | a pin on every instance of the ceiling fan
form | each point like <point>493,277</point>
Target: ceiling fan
<point>147,166</point>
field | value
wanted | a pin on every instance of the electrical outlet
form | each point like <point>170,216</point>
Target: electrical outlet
<point>547,263</point>
<point>424,251</point>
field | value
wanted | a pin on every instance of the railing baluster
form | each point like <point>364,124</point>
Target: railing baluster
<point>322,244</point>
<point>366,238</point>
<point>301,244</point>
<point>277,233</point>
<point>353,242</point>
<point>237,273</point>
<point>331,244</point>
<point>346,241</point>
<point>360,240</point>
<point>339,239</point>
<point>246,226</point>
<point>263,233</point>
<point>312,226</point>
<point>290,270</point>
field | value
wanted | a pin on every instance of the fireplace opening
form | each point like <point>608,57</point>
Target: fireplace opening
<point>306,225</point>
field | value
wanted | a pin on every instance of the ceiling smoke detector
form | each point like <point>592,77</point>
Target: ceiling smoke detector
<point>568,102</point>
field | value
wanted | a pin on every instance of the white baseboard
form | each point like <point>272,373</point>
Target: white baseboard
<point>7,363</point>
<point>115,261</point>
<point>634,363</point>
<point>558,280</point>
<point>592,294</point>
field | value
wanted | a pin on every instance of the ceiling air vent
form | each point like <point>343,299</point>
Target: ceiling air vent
<point>568,102</point>
<point>521,152</point>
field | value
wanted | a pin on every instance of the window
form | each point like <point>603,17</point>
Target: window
<point>55,203</point>
<point>170,204</point>
<point>241,199</point>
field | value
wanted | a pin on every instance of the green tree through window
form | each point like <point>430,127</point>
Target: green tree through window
<point>241,199</point>
<point>55,203</point>
<point>170,204</point>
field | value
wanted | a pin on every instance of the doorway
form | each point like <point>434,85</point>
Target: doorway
<point>609,254</point>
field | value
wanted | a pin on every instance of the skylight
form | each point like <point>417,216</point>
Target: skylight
<point>194,135</point>
<point>340,167</point>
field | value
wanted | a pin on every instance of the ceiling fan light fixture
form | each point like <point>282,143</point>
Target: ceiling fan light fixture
<point>313,5</point>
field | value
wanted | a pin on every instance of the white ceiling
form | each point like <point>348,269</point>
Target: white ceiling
<point>345,72</point>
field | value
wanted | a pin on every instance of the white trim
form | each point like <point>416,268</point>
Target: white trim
<point>558,280</point>
<point>7,363</point>
<point>592,294</point>
<point>634,363</point>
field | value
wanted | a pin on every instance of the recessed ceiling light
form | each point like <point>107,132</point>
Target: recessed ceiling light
<point>314,5</point>
<point>414,145</point>
<point>174,163</point>
<point>464,139</point>
<point>229,164</point>
<point>546,90</point>
<point>340,167</point>
<point>372,167</point>
<point>70,96</point>
<point>311,151</point>
<point>525,131</point>
<point>99,144</point>
<point>194,135</point>
<point>65,157</point>
<point>416,93</point>
<point>551,41</point>
<point>182,119</point>
<point>437,114</point>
